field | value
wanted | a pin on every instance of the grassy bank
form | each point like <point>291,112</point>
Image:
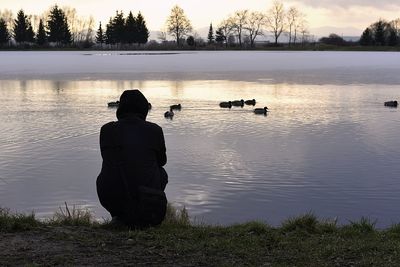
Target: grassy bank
<point>74,239</point>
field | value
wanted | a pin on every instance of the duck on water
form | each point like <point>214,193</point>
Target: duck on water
<point>251,102</point>
<point>391,104</point>
<point>261,110</point>
<point>175,107</point>
<point>238,103</point>
<point>169,114</point>
<point>225,104</point>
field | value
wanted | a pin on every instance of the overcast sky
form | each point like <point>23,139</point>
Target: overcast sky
<point>334,13</point>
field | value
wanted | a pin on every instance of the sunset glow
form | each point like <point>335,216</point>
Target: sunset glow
<point>353,16</point>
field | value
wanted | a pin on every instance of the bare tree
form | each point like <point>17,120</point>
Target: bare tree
<point>238,22</point>
<point>254,24</point>
<point>226,29</point>
<point>292,17</point>
<point>303,30</point>
<point>162,35</point>
<point>8,17</point>
<point>396,25</point>
<point>300,25</point>
<point>178,25</point>
<point>276,19</point>
<point>81,27</point>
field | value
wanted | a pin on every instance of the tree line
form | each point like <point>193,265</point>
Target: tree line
<point>120,30</point>
<point>61,27</point>
<point>379,33</point>
<point>382,33</point>
<point>242,27</point>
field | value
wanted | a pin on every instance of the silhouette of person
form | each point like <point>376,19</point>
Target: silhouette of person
<point>134,147</point>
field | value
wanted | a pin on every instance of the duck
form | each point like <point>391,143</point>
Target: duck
<point>169,114</point>
<point>238,103</point>
<point>150,106</point>
<point>250,102</point>
<point>113,104</point>
<point>175,107</point>
<point>225,104</point>
<point>391,103</point>
<point>261,110</point>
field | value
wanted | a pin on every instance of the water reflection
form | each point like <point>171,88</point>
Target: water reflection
<point>332,149</point>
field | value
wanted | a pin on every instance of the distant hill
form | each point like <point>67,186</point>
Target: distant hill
<point>325,31</point>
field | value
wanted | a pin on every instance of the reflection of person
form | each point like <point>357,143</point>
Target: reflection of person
<point>140,145</point>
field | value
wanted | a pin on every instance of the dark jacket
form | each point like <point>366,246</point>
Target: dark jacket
<point>140,146</point>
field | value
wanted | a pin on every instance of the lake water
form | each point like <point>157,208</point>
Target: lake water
<point>328,144</point>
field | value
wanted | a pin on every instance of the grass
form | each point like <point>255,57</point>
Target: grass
<point>73,237</point>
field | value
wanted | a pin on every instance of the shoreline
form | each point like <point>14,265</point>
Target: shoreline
<point>301,241</point>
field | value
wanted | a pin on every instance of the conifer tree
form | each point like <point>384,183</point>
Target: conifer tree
<point>30,35</point>
<point>210,36</point>
<point>110,32</point>
<point>190,41</point>
<point>100,38</point>
<point>143,32</point>
<point>57,24</point>
<point>380,32</point>
<point>22,28</point>
<point>131,29</point>
<point>118,24</point>
<point>219,36</point>
<point>4,34</point>
<point>366,37</point>
<point>41,37</point>
<point>393,39</point>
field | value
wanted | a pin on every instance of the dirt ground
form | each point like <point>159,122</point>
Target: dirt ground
<point>79,246</point>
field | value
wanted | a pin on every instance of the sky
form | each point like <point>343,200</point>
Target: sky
<point>351,15</point>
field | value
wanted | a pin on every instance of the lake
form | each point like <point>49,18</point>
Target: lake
<point>327,146</point>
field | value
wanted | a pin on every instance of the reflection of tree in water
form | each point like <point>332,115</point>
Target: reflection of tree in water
<point>176,88</point>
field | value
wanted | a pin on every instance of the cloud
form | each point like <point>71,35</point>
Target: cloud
<point>349,3</point>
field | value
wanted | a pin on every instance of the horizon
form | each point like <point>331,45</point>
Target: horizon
<point>350,17</point>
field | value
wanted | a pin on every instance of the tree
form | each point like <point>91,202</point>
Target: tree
<point>162,35</point>
<point>178,25</point>
<point>8,17</point>
<point>110,39</point>
<point>100,38</point>
<point>4,34</point>
<point>276,19</point>
<point>238,23</point>
<point>220,38</point>
<point>393,39</point>
<point>294,19</point>
<point>333,39</point>
<point>299,24</point>
<point>210,36</point>
<point>23,31</point>
<point>367,37</point>
<point>225,28</point>
<point>143,31</point>
<point>41,37</point>
<point>380,31</point>
<point>131,29</point>
<point>30,35</point>
<point>58,28</point>
<point>118,24</point>
<point>254,25</point>
<point>190,41</point>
